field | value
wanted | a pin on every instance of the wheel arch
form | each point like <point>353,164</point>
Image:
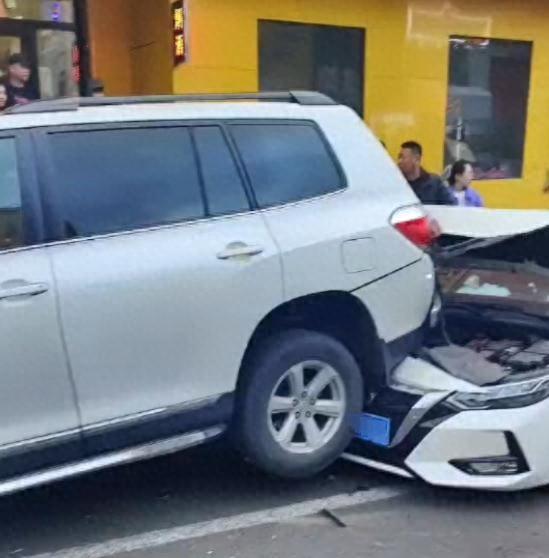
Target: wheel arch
<point>336,313</point>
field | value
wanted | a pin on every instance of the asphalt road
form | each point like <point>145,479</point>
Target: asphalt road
<point>207,502</point>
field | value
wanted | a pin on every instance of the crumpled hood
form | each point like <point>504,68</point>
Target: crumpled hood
<point>514,236</point>
<point>477,223</point>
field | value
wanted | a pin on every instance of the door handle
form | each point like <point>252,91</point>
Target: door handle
<point>239,250</point>
<point>23,289</point>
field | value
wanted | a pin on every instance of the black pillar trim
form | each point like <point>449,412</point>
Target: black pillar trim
<point>83,42</point>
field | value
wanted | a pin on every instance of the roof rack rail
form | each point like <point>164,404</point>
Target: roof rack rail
<point>74,103</point>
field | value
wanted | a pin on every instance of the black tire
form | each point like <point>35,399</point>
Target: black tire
<point>264,369</point>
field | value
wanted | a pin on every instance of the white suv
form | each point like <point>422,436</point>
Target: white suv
<point>171,267</point>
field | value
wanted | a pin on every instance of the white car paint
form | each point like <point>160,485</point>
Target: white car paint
<point>36,397</point>
<point>421,376</point>
<point>479,434</point>
<point>146,296</point>
<point>128,322</point>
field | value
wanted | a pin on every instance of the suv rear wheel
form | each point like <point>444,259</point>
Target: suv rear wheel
<point>300,394</point>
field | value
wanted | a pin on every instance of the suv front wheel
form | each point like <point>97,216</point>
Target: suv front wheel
<point>300,394</point>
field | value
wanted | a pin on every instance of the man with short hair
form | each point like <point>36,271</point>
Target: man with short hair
<point>429,188</point>
<point>18,86</point>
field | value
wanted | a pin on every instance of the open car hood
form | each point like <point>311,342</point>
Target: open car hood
<point>514,236</point>
<point>496,258</point>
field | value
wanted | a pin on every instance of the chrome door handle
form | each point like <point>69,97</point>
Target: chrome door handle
<point>239,250</point>
<point>25,289</point>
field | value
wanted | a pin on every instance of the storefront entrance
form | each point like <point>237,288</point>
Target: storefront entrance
<point>51,50</point>
<point>51,37</point>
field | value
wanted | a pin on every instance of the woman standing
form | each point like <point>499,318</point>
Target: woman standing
<point>460,180</point>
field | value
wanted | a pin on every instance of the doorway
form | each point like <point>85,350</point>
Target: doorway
<point>323,58</point>
<point>50,49</point>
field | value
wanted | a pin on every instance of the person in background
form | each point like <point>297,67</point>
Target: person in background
<point>461,176</point>
<point>429,188</point>
<point>97,88</point>
<point>3,97</point>
<point>18,86</point>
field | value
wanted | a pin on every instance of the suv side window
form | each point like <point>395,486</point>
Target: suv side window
<point>286,162</point>
<point>11,213</point>
<point>122,179</point>
<point>223,186</point>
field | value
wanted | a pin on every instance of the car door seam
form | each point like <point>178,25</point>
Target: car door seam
<point>60,324</point>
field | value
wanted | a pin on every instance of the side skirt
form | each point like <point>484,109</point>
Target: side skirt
<point>129,455</point>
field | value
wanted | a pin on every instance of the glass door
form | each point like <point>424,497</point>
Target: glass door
<point>8,45</point>
<point>57,74</point>
<point>49,50</point>
<point>18,38</point>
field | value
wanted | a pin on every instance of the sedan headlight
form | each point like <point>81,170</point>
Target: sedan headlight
<point>503,397</point>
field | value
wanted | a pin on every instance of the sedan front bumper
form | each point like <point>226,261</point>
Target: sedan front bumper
<point>428,438</point>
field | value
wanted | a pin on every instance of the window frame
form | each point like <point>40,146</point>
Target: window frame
<point>288,122</point>
<point>50,194</point>
<point>496,39</point>
<point>31,207</point>
<point>363,69</point>
<point>248,192</point>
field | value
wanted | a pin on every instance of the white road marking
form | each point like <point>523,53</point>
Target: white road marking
<point>155,539</point>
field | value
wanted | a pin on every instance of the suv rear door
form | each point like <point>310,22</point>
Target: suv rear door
<point>163,273</point>
<point>39,423</point>
<point>298,182</point>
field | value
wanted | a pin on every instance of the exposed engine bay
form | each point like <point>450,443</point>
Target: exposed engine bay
<point>494,327</point>
<point>469,407</point>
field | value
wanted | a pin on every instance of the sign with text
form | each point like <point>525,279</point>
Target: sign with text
<point>179,39</point>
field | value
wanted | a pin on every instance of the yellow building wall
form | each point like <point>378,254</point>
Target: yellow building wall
<point>110,34</point>
<point>131,45</point>
<point>406,66</point>
<point>151,47</point>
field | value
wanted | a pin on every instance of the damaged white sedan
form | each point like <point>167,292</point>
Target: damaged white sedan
<point>471,409</point>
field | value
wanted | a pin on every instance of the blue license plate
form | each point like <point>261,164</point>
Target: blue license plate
<point>374,429</point>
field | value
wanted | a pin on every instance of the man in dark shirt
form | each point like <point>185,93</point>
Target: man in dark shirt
<point>18,86</point>
<point>429,188</point>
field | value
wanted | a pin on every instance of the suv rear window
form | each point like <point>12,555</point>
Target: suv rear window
<point>123,179</point>
<point>286,162</point>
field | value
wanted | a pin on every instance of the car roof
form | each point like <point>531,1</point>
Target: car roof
<point>59,112</point>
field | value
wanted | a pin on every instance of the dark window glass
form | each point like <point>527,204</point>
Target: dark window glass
<point>487,105</point>
<point>222,183</point>
<point>11,216</point>
<point>116,180</point>
<point>286,162</point>
<point>313,57</point>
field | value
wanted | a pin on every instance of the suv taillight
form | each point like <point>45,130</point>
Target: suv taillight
<point>416,226</point>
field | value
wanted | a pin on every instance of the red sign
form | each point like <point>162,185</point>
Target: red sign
<point>178,24</point>
<point>75,64</point>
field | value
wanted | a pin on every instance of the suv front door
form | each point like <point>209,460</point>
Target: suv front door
<point>162,278</point>
<point>38,417</point>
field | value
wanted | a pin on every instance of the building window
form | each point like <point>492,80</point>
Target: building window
<point>313,57</point>
<point>487,105</point>
<point>58,11</point>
